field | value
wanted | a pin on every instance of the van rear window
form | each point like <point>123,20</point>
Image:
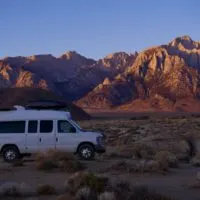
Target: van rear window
<point>46,126</point>
<point>32,126</point>
<point>12,127</point>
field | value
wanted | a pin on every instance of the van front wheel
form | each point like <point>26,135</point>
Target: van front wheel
<point>10,154</point>
<point>86,152</point>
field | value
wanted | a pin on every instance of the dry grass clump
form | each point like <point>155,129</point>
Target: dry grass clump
<point>56,159</point>
<point>142,166</point>
<point>107,196</point>
<point>45,189</point>
<point>86,193</point>
<point>122,166</point>
<point>166,159</point>
<point>88,186</point>
<point>142,151</point>
<point>120,188</point>
<point>88,180</point>
<point>45,165</point>
<point>195,161</point>
<point>65,197</point>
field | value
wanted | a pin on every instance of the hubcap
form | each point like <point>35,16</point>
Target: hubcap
<point>10,155</point>
<point>86,153</point>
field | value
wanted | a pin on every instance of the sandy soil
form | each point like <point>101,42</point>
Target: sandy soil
<point>159,134</point>
<point>176,183</point>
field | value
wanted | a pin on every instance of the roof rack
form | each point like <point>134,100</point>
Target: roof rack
<point>46,105</point>
<point>40,105</point>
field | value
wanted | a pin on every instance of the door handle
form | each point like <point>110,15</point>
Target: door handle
<point>56,139</point>
<point>40,139</point>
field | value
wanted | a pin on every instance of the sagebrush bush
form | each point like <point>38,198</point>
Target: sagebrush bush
<point>142,151</point>
<point>120,188</point>
<point>86,193</point>
<point>71,166</point>
<point>87,179</point>
<point>45,189</point>
<point>88,186</point>
<point>46,165</point>
<point>166,159</point>
<point>195,161</point>
<point>65,197</point>
<point>107,196</point>
<point>56,159</point>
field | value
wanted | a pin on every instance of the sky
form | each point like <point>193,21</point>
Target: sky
<point>93,28</point>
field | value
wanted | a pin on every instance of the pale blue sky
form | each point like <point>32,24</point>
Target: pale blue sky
<point>93,28</point>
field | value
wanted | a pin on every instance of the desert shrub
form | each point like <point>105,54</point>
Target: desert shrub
<point>56,159</point>
<point>166,159</point>
<point>65,197</point>
<point>86,179</point>
<point>195,161</point>
<point>86,193</point>
<point>142,166</point>
<point>71,166</point>
<point>119,154</point>
<point>45,190</point>
<point>45,165</point>
<point>107,196</point>
<point>122,166</point>
<point>120,188</point>
<point>57,155</point>
<point>142,151</point>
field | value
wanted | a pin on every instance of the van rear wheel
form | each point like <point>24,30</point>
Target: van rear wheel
<point>86,152</point>
<point>10,154</point>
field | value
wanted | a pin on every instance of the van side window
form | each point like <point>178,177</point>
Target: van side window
<point>12,127</point>
<point>32,126</point>
<point>65,127</point>
<point>46,126</point>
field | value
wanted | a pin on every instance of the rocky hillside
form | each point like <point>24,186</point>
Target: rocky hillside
<point>70,75</point>
<point>165,77</point>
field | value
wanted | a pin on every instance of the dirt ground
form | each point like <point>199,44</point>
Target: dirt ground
<point>159,134</point>
<point>176,183</point>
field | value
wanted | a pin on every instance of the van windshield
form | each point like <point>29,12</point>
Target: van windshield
<point>75,124</point>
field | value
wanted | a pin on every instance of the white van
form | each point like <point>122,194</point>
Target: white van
<point>25,131</point>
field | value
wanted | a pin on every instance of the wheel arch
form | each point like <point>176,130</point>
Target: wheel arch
<point>8,145</point>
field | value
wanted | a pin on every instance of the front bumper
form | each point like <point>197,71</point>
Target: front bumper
<point>100,149</point>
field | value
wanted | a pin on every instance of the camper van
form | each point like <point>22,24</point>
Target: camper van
<point>24,131</point>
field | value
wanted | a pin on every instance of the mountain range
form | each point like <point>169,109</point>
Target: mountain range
<point>160,78</point>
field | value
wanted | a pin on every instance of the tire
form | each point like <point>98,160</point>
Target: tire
<point>10,154</point>
<point>86,152</point>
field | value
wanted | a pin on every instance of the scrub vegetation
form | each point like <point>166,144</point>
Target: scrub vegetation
<point>142,155</point>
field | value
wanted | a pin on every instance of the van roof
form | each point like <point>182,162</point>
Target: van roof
<point>20,113</point>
